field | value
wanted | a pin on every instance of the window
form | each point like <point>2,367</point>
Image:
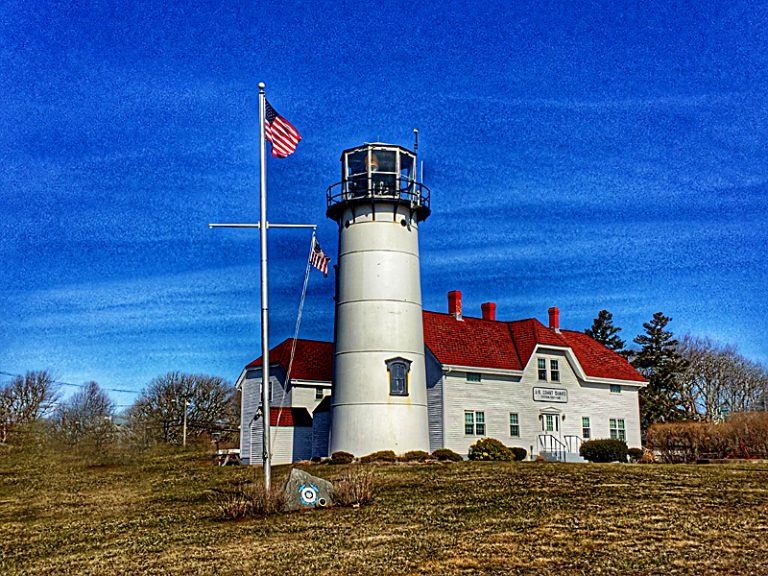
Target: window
<point>398,369</point>
<point>514,425</point>
<point>542,369</point>
<point>474,423</point>
<point>617,429</point>
<point>480,423</point>
<point>554,368</point>
<point>586,431</point>
<point>615,388</point>
<point>474,377</point>
<point>318,393</point>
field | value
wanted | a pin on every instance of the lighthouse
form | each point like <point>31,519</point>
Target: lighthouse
<point>379,399</point>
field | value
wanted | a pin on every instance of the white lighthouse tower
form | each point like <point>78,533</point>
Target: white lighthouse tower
<point>379,397</point>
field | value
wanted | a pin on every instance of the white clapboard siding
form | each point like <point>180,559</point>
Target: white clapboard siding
<point>289,443</point>
<point>321,426</point>
<point>249,403</point>
<point>434,401</point>
<point>498,396</point>
<point>305,395</point>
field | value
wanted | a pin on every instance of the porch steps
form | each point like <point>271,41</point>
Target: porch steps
<point>558,456</point>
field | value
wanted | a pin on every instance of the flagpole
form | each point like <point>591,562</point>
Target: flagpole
<point>265,384</point>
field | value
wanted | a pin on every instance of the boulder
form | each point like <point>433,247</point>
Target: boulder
<point>302,491</point>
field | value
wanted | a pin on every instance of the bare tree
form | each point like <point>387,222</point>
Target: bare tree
<point>24,400</point>
<point>718,380</point>
<point>86,419</point>
<point>158,413</point>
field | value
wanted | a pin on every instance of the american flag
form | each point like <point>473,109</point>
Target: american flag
<point>280,132</point>
<point>319,259</point>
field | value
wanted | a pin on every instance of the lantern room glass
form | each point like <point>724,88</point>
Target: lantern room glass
<point>378,171</point>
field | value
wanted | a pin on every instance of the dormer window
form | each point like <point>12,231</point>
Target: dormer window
<point>554,370</point>
<point>542,368</point>
<point>399,370</point>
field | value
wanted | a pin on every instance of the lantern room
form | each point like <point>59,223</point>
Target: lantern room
<point>375,173</point>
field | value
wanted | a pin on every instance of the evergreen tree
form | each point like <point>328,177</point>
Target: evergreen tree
<point>603,331</point>
<point>661,364</point>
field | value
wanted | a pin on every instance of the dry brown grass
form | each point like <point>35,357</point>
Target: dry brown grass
<point>153,516</point>
<point>248,500</point>
<point>354,487</point>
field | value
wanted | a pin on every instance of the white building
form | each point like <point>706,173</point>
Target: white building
<point>526,384</point>
<point>400,378</point>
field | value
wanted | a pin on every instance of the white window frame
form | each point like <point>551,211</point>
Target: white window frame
<point>542,370</point>
<point>474,422</point>
<point>618,429</point>
<point>586,428</point>
<point>514,424</point>
<point>554,370</point>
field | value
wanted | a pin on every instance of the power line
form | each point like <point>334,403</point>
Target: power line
<point>122,390</point>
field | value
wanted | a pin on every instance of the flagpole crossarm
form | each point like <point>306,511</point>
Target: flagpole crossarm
<point>211,226</point>
<point>258,225</point>
<point>313,226</point>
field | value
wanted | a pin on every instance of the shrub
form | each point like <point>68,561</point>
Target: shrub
<point>341,458</point>
<point>743,435</point>
<point>380,456</point>
<point>248,500</point>
<point>680,442</point>
<point>446,455</point>
<point>746,435</point>
<point>648,457</point>
<point>414,456</point>
<point>635,454</point>
<point>353,488</point>
<point>520,453</point>
<point>490,449</point>
<point>605,450</point>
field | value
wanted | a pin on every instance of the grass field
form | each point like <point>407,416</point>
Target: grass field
<point>153,515</point>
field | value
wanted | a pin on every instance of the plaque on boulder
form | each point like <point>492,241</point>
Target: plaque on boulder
<point>302,491</point>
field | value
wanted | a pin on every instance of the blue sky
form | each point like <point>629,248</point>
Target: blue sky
<point>585,155</point>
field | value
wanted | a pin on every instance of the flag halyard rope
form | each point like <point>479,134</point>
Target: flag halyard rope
<point>295,340</point>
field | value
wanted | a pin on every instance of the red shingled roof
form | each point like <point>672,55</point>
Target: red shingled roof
<point>313,359</point>
<point>472,342</point>
<point>289,416</point>
<point>597,360</point>
<point>493,344</point>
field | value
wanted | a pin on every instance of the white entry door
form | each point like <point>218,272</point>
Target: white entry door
<point>551,423</point>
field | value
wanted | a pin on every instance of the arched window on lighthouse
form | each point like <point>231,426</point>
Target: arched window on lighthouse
<point>398,370</point>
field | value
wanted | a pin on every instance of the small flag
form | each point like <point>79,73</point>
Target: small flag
<point>280,132</point>
<point>319,259</point>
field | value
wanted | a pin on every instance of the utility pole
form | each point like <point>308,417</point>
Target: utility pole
<point>184,429</point>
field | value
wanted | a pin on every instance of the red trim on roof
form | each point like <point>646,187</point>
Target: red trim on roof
<point>313,359</point>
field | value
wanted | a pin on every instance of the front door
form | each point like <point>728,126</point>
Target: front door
<point>551,423</point>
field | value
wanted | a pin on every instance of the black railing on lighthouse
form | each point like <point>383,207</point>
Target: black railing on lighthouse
<point>378,173</point>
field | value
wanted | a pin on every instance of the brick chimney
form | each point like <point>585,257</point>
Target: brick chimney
<point>489,310</point>
<point>454,304</point>
<point>554,319</point>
